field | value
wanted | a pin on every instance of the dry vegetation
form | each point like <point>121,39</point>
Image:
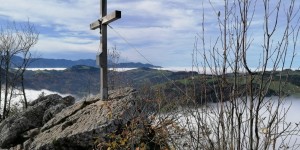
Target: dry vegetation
<point>244,117</point>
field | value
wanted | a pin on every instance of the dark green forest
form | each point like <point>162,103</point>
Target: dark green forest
<point>84,80</point>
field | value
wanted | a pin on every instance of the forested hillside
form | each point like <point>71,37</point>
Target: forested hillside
<point>83,80</point>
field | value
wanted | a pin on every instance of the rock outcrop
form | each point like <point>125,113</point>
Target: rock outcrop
<point>46,126</point>
<point>14,130</point>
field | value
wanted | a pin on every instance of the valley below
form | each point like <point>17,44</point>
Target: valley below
<point>182,104</point>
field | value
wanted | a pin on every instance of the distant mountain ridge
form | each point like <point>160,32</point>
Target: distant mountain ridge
<point>81,80</point>
<point>64,63</point>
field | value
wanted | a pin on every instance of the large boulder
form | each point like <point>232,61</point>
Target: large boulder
<point>78,126</point>
<point>17,128</point>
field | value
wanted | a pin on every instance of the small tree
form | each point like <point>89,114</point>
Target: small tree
<point>15,40</point>
<point>245,117</point>
<point>114,78</point>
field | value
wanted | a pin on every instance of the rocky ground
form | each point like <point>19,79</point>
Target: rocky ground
<point>55,122</point>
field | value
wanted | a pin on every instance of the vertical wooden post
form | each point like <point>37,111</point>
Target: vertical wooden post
<point>102,57</point>
<point>103,70</point>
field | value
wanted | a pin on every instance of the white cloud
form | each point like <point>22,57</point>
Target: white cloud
<point>73,44</point>
<point>163,30</point>
<point>56,13</point>
<point>162,24</point>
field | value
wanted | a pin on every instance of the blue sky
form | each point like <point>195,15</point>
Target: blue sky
<point>162,30</point>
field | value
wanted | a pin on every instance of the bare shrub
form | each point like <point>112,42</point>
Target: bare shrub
<point>15,40</point>
<point>245,117</point>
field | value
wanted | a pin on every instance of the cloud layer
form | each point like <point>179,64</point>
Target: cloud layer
<point>163,31</point>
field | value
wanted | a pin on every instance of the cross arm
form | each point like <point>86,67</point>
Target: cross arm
<point>111,17</point>
<point>106,20</point>
<point>95,25</point>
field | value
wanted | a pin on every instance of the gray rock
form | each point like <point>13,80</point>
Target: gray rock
<point>43,98</point>
<point>52,111</point>
<point>49,125</point>
<point>78,126</point>
<point>12,128</point>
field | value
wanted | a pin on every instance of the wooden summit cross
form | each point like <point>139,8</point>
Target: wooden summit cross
<point>102,57</point>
